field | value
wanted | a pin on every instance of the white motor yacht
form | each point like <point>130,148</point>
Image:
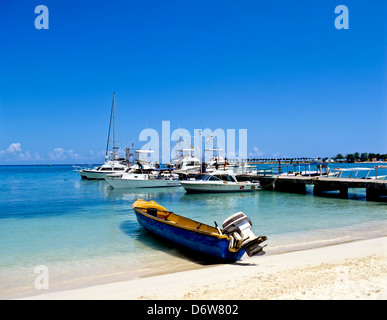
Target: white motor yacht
<point>99,173</point>
<point>186,162</point>
<point>144,178</point>
<point>218,181</point>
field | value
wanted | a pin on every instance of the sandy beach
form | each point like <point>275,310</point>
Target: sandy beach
<point>352,270</point>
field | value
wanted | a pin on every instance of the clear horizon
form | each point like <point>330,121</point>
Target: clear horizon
<point>281,70</point>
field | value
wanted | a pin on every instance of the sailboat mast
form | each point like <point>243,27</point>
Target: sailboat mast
<point>110,124</point>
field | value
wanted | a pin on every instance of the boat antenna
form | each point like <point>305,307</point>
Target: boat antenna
<point>110,124</point>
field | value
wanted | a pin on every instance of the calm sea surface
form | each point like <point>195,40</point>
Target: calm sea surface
<point>86,233</point>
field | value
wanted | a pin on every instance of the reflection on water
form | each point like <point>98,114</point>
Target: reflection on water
<point>143,193</point>
<point>155,242</point>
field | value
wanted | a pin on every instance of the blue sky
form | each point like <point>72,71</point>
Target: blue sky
<point>279,69</point>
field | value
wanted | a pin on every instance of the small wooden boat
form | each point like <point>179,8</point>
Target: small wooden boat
<point>231,243</point>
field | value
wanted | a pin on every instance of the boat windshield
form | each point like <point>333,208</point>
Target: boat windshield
<point>223,177</point>
<point>209,177</point>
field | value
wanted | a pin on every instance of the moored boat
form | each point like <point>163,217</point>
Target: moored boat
<point>186,162</point>
<point>219,181</point>
<point>99,173</point>
<point>113,163</point>
<point>229,243</point>
<point>143,178</point>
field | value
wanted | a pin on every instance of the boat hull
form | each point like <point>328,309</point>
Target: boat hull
<point>94,175</point>
<point>195,187</point>
<point>85,174</point>
<point>209,245</point>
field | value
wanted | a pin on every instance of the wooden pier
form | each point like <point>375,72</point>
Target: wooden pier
<point>375,189</point>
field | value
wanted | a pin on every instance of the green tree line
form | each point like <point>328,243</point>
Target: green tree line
<point>356,157</point>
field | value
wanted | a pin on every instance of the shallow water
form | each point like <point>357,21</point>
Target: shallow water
<point>85,232</point>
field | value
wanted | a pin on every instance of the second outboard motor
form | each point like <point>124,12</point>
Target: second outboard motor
<point>238,228</point>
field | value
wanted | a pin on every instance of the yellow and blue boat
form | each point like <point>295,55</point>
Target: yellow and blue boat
<point>189,233</point>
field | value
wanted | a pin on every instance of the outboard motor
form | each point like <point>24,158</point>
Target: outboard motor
<point>238,228</point>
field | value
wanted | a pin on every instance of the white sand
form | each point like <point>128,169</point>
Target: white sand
<point>354,270</point>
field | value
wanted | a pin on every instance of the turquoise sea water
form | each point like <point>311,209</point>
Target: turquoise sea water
<point>86,233</point>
